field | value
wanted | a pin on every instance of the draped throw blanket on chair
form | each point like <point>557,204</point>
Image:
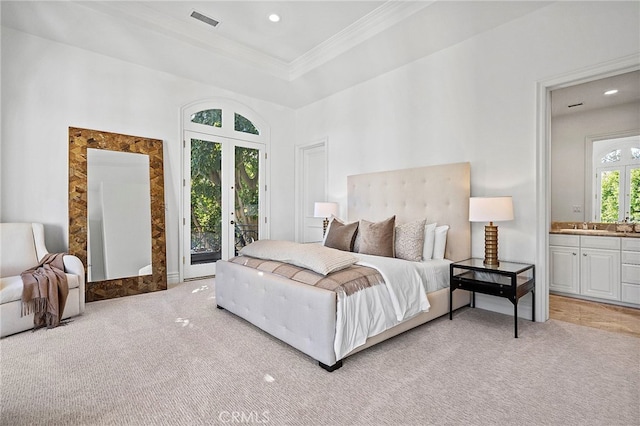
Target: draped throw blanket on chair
<point>45,291</point>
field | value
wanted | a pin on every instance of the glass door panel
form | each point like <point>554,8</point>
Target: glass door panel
<point>206,201</point>
<point>246,196</point>
<point>204,228</point>
<point>633,193</point>
<point>609,195</point>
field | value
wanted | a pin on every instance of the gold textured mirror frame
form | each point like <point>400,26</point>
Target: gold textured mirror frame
<point>79,141</point>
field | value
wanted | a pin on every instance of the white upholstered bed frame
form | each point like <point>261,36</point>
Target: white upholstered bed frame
<point>305,316</point>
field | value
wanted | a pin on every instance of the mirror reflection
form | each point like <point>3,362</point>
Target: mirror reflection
<point>119,215</point>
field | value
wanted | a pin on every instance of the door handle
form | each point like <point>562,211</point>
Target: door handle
<point>232,222</point>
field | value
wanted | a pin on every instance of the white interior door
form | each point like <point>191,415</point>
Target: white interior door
<point>223,199</point>
<point>311,165</point>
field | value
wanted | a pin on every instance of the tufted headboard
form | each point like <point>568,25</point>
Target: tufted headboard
<point>439,193</point>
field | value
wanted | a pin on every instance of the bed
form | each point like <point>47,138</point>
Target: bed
<point>305,316</point>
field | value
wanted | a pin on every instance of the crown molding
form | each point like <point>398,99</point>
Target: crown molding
<point>138,13</point>
<point>375,22</point>
<point>380,19</point>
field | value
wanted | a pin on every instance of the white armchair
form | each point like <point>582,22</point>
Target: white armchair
<point>21,247</point>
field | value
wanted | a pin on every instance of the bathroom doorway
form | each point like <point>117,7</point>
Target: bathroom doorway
<point>582,114</point>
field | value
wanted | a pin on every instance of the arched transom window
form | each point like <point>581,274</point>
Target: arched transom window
<point>213,118</point>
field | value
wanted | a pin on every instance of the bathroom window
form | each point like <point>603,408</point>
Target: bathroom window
<point>617,180</point>
<point>612,157</point>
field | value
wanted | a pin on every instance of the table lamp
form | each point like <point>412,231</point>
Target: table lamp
<point>490,209</point>
<point>325,210</point>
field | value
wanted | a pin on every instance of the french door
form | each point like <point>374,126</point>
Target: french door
<point>224,195</point>
<point>617,194</point>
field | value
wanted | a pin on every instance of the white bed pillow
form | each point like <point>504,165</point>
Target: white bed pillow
<point>429,240</point>
<point>320,259</point>
<point>409,242</point>
<point>440,242</point>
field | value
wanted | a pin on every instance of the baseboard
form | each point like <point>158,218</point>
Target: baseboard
<point>504,306</point>
<point>173,278</point>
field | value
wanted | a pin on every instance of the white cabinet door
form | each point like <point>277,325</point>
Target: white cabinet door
<point>564,267</point>
<point>600,273</point>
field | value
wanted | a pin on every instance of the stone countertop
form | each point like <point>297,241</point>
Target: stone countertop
<point>595,232</point>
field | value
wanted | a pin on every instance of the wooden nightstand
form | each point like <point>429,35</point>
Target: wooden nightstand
<point>509,280</point>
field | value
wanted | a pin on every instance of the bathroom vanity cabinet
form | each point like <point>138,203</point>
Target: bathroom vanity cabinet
<point>595,267</point>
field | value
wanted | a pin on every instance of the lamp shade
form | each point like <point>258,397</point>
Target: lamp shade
<point>321,209</point>
<point>490,209</point>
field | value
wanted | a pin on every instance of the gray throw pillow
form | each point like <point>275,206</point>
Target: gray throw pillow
<point>377,238</point>
<point>341,236</point>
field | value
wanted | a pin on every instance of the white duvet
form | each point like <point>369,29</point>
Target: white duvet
<point>371,311</point>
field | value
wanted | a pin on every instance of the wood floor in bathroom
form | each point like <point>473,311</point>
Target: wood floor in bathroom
<point>615,318</point>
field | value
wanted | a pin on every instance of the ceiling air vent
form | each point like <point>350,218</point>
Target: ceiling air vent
<point>200,17</point>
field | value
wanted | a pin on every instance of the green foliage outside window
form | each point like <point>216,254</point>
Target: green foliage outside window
<point>206,196</point>
<point>242,124</point>
<point>635,196</point>
<point>610,184</point>
<point>209,117</point>
<point>610,196</point>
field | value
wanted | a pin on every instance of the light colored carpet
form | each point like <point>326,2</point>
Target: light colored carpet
<point>172,358</point>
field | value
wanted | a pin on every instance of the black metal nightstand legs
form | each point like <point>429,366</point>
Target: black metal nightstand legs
<point>510,280</point>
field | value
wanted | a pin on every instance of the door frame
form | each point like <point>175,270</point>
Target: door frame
<point>226,131</point>
<point>543,160</point>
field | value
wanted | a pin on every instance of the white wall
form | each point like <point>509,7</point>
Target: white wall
<point>568,136</point>
<point>47,87</point>
<point>476,102</point>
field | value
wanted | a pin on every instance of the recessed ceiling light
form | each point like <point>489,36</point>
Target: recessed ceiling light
<point>274,17</point>
<point>611,92</point>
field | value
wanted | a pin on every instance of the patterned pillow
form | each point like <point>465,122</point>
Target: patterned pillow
<point>377,238</point>
<point>410,240</point>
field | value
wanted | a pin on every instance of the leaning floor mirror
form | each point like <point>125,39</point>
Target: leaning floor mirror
<point>116,212</point>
